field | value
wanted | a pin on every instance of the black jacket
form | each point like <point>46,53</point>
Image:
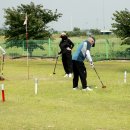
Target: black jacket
<point>64,43</point>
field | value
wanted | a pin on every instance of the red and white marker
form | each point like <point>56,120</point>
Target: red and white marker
<point>3,94</point>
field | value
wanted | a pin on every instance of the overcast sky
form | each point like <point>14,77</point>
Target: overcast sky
<point>84,14</point>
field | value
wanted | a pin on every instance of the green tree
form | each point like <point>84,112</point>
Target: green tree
<point>76,32</point>
<point>2,32</point>
<point>38,18</point>
<point>95,31</point>
<point>121,26</point>
<point>76,29</point>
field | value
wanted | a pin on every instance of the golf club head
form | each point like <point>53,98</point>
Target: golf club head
<point>103,86</point>
<point>54,73</point>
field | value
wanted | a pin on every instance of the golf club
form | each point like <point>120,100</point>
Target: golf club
<point>55,65</point>
<point>103,86</point>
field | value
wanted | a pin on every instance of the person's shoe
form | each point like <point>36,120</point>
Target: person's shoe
<point>87,89</point>
<point>66,75</point>
<point>75,88</point>
<point>69,75</point>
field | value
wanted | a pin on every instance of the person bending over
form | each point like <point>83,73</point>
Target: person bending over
<point>79,69</point>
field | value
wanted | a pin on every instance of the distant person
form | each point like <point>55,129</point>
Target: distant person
<point>79,69</point>
<point>3,52</point>
<point>66,46</point>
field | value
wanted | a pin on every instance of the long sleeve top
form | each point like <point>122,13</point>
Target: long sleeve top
<point>83,52</point>
<point>65,44</point>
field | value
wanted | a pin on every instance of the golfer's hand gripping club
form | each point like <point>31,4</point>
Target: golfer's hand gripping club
<point>91,64</point>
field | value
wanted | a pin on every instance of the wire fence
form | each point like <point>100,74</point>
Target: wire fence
<point>36,48</point>
<point>104,50</point>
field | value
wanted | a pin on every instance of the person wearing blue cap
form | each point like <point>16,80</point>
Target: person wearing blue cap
<point>79,69</point>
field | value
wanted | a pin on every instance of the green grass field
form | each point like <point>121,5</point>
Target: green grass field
<point>57,106</point>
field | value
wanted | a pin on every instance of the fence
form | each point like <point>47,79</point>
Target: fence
<point>110,50</point>
<point>36,48</point>
<point>104,50</point>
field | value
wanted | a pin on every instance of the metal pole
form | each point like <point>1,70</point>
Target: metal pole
<point>27,44</point>
<point>106,50</point>
<point>49,46</point>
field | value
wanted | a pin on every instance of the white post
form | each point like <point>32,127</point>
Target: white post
<point>3,94</point>
<point>2,86</point>
<point>36,85</point>
<point>125,75</point>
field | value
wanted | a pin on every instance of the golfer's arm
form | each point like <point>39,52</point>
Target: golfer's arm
<point>89,56</point>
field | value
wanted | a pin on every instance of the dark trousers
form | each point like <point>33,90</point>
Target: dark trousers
<point>79,70</point>
<point>67,62</point>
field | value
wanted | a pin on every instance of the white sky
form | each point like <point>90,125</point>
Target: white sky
<point>84,14</point>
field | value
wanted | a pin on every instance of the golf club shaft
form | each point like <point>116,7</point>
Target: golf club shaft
<point>55,65</point>
<point>98,76</point>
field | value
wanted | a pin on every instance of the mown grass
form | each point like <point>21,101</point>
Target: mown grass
<point>57,106</point>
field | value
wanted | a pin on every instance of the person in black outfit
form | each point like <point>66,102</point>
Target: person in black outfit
<point>66,46</point>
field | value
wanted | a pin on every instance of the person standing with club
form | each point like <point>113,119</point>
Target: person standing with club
<point>79,69</point>
<point>3,52</point>
<point>66,46</point>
